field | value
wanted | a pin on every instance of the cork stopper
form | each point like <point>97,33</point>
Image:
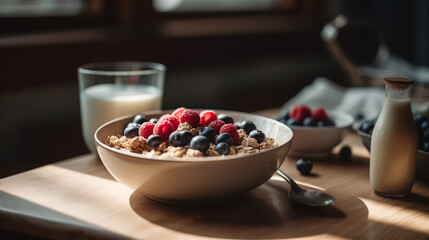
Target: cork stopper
<point>399,82</point>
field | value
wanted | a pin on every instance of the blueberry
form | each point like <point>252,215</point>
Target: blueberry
<point>188,136</point>
<point>153,120</point>
<point>226,118</point>
<point>424,125</point>
<point>238,125</point>
<point>200,143</point>
<point>373,122</point>
<point>207,132</point>
<point>258,135</point>
<point>425,135</point>
<point>248,126</point>
<point>309,122</point>
<point>345,153</point>
<point>304,166</point>
<point>131,131</point>
<point>293,122</point>
<point>140,119</point>
<point>153,141</point>
<point>284,116</point>
<point>222,148</point>
<point>224,137</point>
<point>425,147</point>
<point>177,139</point>
<point>326,123</point>
<point>419,118</point>
<point>133,124</point>
<point>367,126</point>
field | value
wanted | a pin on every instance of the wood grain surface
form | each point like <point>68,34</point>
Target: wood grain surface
<point>78,199</point>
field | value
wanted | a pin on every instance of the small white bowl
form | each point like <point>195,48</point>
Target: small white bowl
<point>317,142</point>
<point>422,162</point>
<point>195,180</point>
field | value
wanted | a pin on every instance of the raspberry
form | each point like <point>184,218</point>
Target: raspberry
<point>190,116</point>
<point>230,128</point>
<point>300,112</point>
<point>319,114</point>
<point>178,112</point>
<point>172,119</point>
<point>163,129</point>
<point>216,125</point>
<point>146,129</point>
<point>206,117</point>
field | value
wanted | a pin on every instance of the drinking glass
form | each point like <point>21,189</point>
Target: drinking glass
<point>109,90</point>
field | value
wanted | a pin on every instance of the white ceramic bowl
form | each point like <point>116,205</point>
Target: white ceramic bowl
<point>422,162</point>
<point>195,180</point>
<point>317,142</point>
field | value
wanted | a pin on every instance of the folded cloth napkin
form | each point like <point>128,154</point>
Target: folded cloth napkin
<point>363,103</point>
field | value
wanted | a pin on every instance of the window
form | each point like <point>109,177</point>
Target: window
<point>221,5</point>
<point>40,8</point>
<point>18,16</point>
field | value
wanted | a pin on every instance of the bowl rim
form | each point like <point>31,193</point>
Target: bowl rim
<point>191,159</point>
<point>345,116</point>
<point>423,152</point>
<point>363,133</point>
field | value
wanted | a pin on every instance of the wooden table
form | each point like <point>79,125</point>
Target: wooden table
<point>77,198</point>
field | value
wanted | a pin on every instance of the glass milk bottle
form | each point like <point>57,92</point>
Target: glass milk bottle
<point>394,142</point>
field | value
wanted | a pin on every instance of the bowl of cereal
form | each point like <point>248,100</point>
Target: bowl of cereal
<point>315,131</point>
<point>193,156</point>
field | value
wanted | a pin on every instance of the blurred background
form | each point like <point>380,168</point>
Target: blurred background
<point>243,55</point>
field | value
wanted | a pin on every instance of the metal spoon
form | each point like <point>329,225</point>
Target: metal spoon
<point>313,198</point>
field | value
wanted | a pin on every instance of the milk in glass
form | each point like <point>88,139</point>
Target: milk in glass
<point>394,142</point>
<point>104,102</point>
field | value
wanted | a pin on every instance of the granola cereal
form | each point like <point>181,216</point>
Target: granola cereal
<point>138,144</point>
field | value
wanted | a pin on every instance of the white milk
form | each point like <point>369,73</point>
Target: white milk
<point>104,102</point>
<point>393,149</point>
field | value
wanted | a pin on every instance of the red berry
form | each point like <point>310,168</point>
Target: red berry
<point>172,119</point>
<point>206,117</point>
<point>146,129</point>
<point>216,125</point>
<point>163,129</point>
<point>319,114</point>
<point>178,112</point>
<point>190,116</point>
<point>300,112</point>
<point>232,130</point>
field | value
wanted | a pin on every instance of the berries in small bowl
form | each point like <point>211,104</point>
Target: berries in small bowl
<point>302,115</point>
<point>316,131</point>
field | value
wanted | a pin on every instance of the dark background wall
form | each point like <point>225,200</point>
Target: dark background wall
<point>238,61</point>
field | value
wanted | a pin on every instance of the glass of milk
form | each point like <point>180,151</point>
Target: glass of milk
<point>113,89</point>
